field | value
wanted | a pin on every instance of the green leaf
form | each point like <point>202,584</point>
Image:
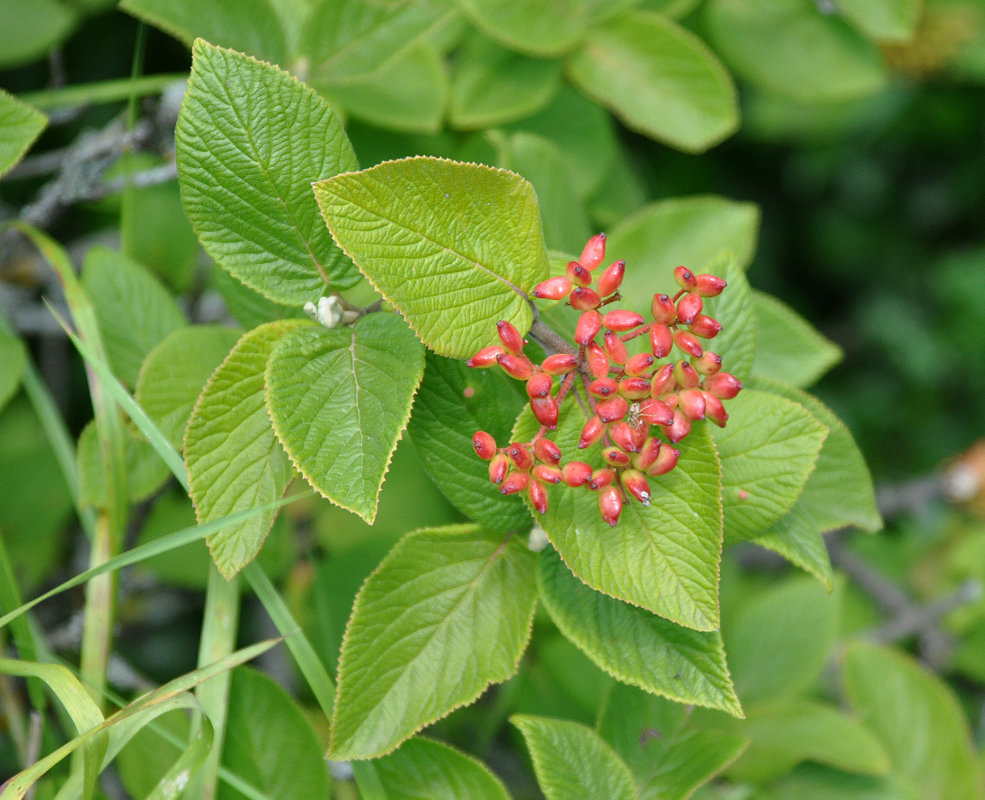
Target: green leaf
<point>668,757</point>
<point>174,372</point>
<point>691,231</point>
<point>452,404</point>
<point>408,94</point>
<point>13,356</point>
<point>339,400</point>
<point>251,26</point>
<point>918,720</point>
<point>796,537</point>
<point>542,163</point>
<point>247,306</point>
<point>839,491</point>
<point>768,449</point>
<point>733,308</point>
<point>20,125</point>
<point>824,783</point>
<point>659,79</point>
<point>447,613</point>
<point>422,768</point>
<point>783,735</point>
<point>146,472</point>
<point>663,557</point>
<point>250,140</point>
<point>788,348</point>
<point>491,85</point>
<point>269,743</point>
<point>818,57</point>
<point>453,266</point>
<point>636,646</point>
<point>133,309</point>
<point>540,29</point>
<point>781,641</point>
<point>30,30</point>
<point>573,762</point>
<point>884,20</point>
<point>234,459</point>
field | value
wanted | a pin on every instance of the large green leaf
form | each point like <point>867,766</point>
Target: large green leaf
<point>658,78</point>
<point>339,400</point>
<point>455,247</point>
<point>491,85</point>
<point>768,449</point>
<point>668,756</point>
<point>541,29</point>
<point>447,613</point>
<point>134,310</point>
<point>573,762</point>
<point>884,20</point>
<point>636,646</point>
<point>788,348</point>
<point>234,459</point>
<point>20,125</point>
<point>13,356</point>
<point>917,719</point>
<point>796,537</point>
<point>174,372</point>
<point>817,57</point>
<point>452,404</point>
<point>781,641</point>
<point>422,768</point>
<point>269,743</point>
<point>663,557</point>
<point>250,140</point>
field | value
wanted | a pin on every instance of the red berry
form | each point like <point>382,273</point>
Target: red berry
<point>515,482</point>
<point>546,473</point>
<point>577,274</point>
<point>634,388</point>
<point>685,278</point>
<point>601,477</point>
<point>584,299</point>
<point>715,410</point>
<point>594,252</point>
<point>662,380</point>
<point>685,375</point>
<point>688,307</point>
<point>546,410</point>
<point>598,361</point>
<point>520,455</point>
<point>484,444</point>
<point>547,451</point>
<point>689,343</point>
<point>678,429</point>
<point>622,320</point>
<point>589,324</point>
<point>666,460</point>
<point>610,505</point>
<point>655,412</point>
<point>710,285</point>
<point>510,337</point>
<point>708,364</point>
<point>662,309</point>
<point>704,326</point>
<point>612,409</point>
<point>624,436</point>
<point>615,348</point>
<point>591,433</point>
<point>638,364</point>
<point>611,279</point>
<point>518,367</point>
<point>539,385</point>
<point>538,496</point>
<point>635,482</point>
<point>486,357</point>
<point>723,385</point>
<point>498,467</point>
<point>553,288</point>
<point>603,387</point>
<point>559,364</point>
<point>615,456</point>
<point>691,402</point>
<point>576,473</point>
<point>648,453</point>
<point>661,339</point>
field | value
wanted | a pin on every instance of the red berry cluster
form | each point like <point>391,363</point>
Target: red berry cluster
<point>638,406</point>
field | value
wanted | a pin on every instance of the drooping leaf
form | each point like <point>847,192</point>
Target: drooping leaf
<point>918,720</point>
<point>13,356</point>
<point>424,768</point>
<point>788,348</point>
<point>573,762</point>
<point>234,459</point>
<point>768,449</point>
<point>269,743</point>
<point>884,20</point>
<point>339,400</point>
<point>146,472</point>
<point>796,537</point>
<point>636,646</point>
<point>659,79</point>
<point>174,372</point>
<point>452,404</point>
<point>540,29</point>
<point>668,756</point>
<point>250,140</point>
<point>491,85</point>
<point>818,57</point>
<point>452,264</point>
<point>663,557</point>
<point>781,641</point>
<point>134,310</point>
<point>20,125</point>
<point>447,613</point>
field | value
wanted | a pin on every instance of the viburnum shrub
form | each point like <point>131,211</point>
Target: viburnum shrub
<point>626,397</point>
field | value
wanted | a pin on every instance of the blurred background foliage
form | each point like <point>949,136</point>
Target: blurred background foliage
<point>860,143</point>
